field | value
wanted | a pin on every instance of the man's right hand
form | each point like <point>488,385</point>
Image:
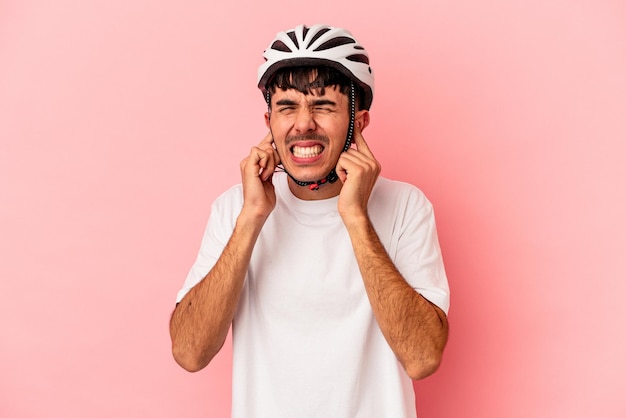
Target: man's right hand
<point>259,197</point>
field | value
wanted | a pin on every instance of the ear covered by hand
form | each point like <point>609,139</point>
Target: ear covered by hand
<point>358,169</point>
<point>256,175</point>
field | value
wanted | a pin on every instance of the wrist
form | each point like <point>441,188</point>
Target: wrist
<point>357,220</point>
<point>251,218</point>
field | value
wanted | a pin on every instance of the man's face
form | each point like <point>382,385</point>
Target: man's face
<point>309,130</point>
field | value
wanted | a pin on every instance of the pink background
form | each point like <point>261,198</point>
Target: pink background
<point>120,121</point>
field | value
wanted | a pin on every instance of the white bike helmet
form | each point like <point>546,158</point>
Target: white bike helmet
<point>319,45</point>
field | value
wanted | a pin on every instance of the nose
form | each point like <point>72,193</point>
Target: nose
<point>304,121</point>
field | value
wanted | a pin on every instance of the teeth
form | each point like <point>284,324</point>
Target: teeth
<point>307,152</point>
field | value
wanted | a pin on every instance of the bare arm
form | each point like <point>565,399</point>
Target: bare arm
<point>415,329</point>
<point>200,322</point>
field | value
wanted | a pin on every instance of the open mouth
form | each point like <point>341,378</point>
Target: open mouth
<point>307,152</point>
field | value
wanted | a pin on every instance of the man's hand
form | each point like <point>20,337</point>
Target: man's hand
<point>358,169</point>
<point>256,175</point>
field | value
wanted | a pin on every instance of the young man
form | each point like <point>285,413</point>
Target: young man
<point>331,276</point>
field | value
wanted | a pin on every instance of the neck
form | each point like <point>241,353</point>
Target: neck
<point>326,191</point>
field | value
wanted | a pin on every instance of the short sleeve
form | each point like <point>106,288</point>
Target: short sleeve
<point>224,212</point>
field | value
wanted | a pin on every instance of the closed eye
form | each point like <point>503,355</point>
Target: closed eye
<point>323,109</point>
<point>324,106</point>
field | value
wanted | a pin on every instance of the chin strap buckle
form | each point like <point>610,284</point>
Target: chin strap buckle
<point>317,184</point>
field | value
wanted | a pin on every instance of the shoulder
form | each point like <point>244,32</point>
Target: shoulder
<point>394,192</point>
<point>228,204</point>
<point>232,195</point>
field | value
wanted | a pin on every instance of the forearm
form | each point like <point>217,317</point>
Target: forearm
<point>415,329</point>
<point>200,322</point>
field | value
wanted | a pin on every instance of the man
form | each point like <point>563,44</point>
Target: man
<point>330,275</point>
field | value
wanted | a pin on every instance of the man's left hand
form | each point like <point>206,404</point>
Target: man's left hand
<point>358,169</point>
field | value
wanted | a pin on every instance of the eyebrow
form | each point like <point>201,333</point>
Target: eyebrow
<point>286,102</point>
<point>323,102</point>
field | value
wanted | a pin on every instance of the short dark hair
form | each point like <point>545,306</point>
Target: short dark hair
<point>305,79</point>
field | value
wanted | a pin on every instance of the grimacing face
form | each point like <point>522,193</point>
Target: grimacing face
<point>309,130</point>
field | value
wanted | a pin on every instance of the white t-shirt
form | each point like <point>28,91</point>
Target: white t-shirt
<point>305,340</point>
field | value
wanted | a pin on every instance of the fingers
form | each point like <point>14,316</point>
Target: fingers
<point>361,145</point>
<point>269,159</point>
<point>354,162</point>
<point>262,160</point>
<point>268,140</point>
<point>362,151</point>
<point>256,175</point>
<point>359,161</point>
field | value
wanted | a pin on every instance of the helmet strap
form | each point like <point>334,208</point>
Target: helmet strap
<point>332,176</point>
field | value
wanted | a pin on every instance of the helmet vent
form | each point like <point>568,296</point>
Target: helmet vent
<point>280,46</point>
<point>292,35</point>
<point>335,42</point>
<point>359,58</point>
<point>317,35</point>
